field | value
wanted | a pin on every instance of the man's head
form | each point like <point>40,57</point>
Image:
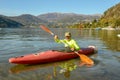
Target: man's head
<point>68,35</point>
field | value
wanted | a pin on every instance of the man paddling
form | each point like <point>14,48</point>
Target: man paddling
<point>70,44</point>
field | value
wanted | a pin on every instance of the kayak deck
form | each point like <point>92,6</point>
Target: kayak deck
<point>49,56</point>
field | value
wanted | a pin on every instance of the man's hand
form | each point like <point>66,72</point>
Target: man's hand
<point>72,49</point>
<point>55,37</point>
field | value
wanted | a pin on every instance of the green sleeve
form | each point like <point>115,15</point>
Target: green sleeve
<point>59,41</point>
<point>76,45</point>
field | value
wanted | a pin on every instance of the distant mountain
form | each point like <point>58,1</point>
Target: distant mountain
<point>28,20</point>
<point>50,19</point>
<point>67,17</point>
<point>5,22</point>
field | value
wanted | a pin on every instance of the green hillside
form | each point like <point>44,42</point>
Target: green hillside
<point>111,17</point>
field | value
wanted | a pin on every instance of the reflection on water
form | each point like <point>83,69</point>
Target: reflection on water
<point>110,39</point>
<point>17,42</point>
<point>65,67</point>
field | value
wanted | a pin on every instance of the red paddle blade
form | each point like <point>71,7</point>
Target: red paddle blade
<point>46,29</point>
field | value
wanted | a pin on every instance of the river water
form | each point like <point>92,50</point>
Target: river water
<point>17,42</point>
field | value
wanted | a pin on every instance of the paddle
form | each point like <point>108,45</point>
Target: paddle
<point>84,58</point>
<point>47,30</point>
